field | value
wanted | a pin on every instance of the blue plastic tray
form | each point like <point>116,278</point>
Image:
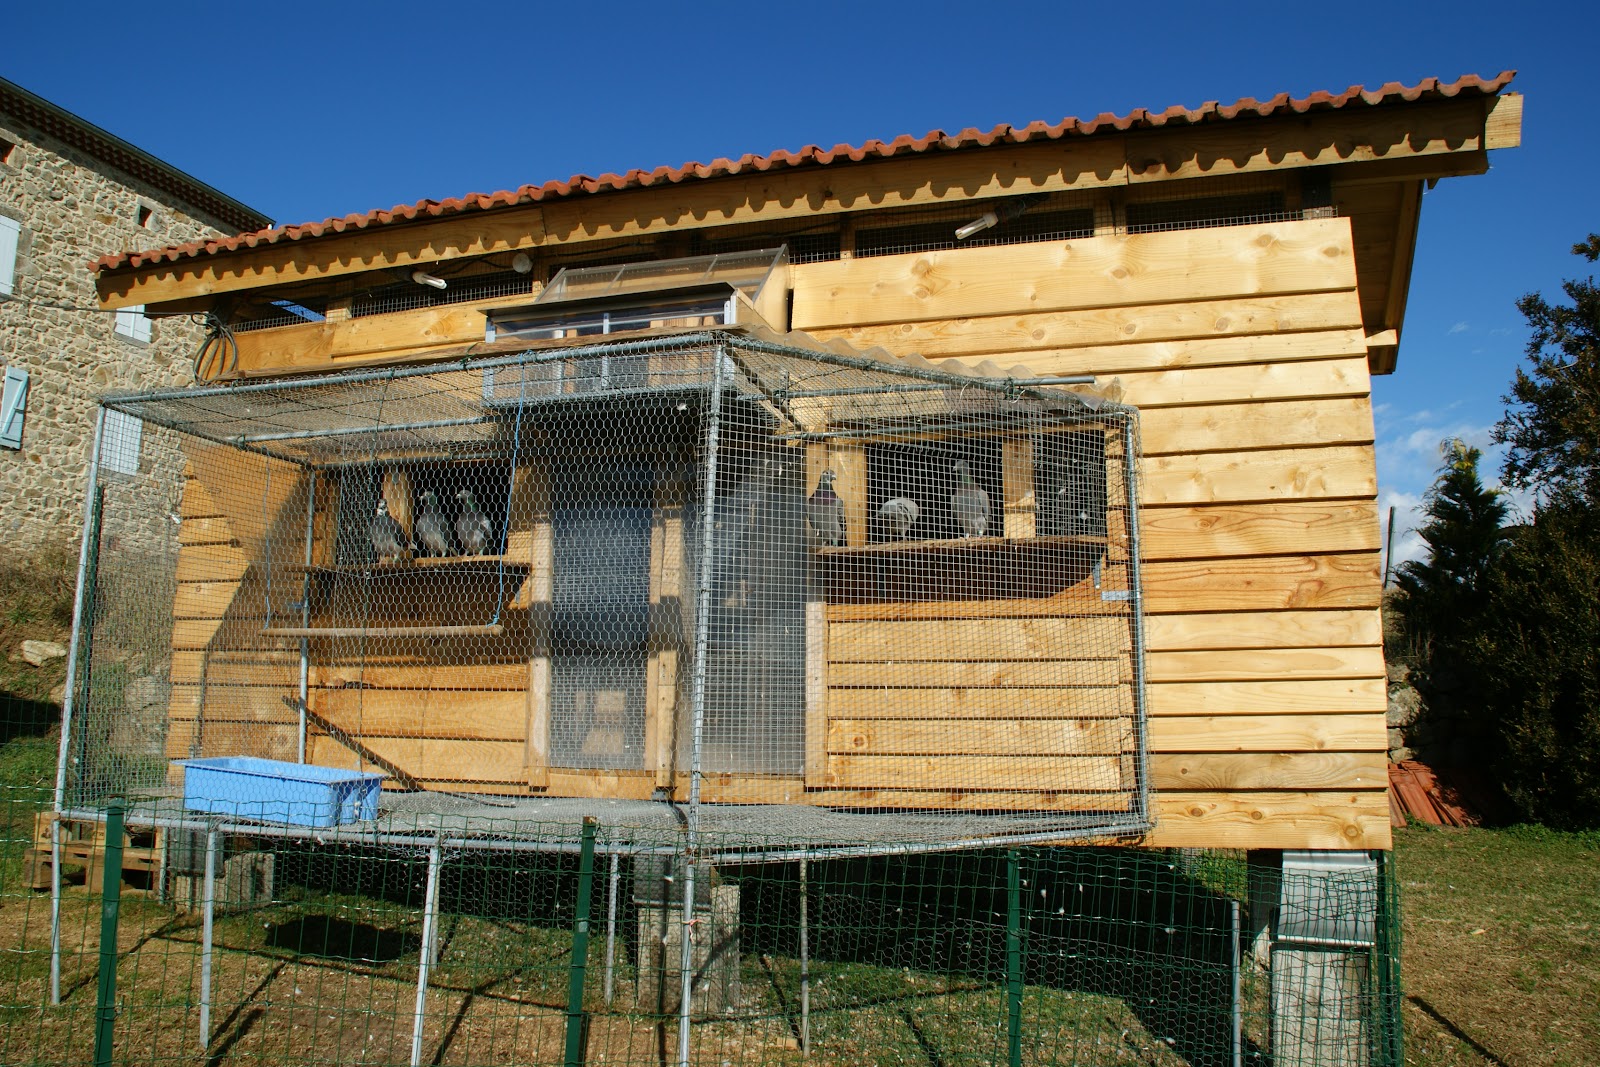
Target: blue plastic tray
<point>268,790</point>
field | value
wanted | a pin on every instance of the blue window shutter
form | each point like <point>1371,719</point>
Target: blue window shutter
<point>12,407</point>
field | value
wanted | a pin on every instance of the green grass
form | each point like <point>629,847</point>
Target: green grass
<point>1501,956</point>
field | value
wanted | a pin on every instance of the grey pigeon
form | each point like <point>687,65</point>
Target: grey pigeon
<point>825,512</point>
<point>969,503</point>
<point>388,539</point>
<point>898,516</point>
<point>433,533</point>
<point>472,525</point>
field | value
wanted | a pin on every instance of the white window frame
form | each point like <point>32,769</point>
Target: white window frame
<point>120,437</point>
<point>10,240</point>
<point>133,324</point>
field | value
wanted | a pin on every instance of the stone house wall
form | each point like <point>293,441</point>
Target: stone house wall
<point>72,208</point>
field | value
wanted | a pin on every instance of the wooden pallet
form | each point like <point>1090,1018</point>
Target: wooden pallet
<point>83,845</point>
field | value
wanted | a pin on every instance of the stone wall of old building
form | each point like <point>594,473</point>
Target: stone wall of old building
<point>72,208</point>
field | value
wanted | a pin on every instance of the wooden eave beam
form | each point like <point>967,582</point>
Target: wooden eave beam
<point>1438,132</point>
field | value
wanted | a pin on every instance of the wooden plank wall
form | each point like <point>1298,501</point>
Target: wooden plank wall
<point>1243,349</point>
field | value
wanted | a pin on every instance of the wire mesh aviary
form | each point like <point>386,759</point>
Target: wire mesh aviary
<point>759,586</point>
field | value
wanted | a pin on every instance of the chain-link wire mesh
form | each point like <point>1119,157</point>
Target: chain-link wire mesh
<point>317,951</point>
<point>773,590</point>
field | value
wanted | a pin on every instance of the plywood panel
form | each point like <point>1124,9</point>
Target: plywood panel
<point>1094,272</point>
<point>489,715</point>
<point>428,759</point>
<point>965,800</point>
<point>1082,774</point>
<point>1329,695</point>
<point>1271,474</point>
<point>1263,629</point>
<point>979,704</point>
<point>1356,732</point>
<point>1344,820</point>
<point>1010,338</point>
<point>247,667</point>
<point>1195,771</point>
<point>1345,377</point>
<point>1258,529</point>
<point>207,563</point>
<point>1270,424</point>
<point>1261,584</point>
<point>1262,664</point>
<point>212,530</point>
<point>983,737</point>
<point>978,673</point>
<point>966,640</point>
<point>448,678</point>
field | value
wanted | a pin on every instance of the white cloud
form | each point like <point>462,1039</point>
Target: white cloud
<point>1460,327</point>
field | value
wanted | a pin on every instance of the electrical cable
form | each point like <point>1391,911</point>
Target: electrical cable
<point>218,352</point>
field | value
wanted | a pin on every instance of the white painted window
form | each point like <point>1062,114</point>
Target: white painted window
<point>133,324</point>
<point>119,443</point>
<point>10,234</point>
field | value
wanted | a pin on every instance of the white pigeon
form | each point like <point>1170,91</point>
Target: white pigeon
<point>388,539</point>
<point>825,511</point>
<point>433,533</point>
<point>898,516</point>
<point>472,525</point>
<point>969,503</point>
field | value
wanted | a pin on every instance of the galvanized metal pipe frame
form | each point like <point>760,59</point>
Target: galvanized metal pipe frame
<point>305,616</point>
<point>91,509</point>
<point>430,932</point>
<point>207,928</point>
<point>1141,729</point>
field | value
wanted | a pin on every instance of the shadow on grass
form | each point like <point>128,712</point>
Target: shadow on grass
<point>339,939</point>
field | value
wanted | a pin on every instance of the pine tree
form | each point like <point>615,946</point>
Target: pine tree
<point>1440,597</point>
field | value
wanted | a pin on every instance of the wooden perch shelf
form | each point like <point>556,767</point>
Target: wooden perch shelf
<point>960,544</point>
<point>384,631</point>
<point>411,566</point>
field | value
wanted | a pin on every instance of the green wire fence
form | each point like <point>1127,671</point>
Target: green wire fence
<point>570,951</point>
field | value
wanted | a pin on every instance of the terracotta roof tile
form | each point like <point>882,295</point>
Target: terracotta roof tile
<point>813,155</point>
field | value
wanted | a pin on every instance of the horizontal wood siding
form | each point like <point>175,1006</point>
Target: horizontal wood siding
<point>1243,350</point>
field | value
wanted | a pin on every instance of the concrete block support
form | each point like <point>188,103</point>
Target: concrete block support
<point>714,944</point>
<point>1318,911</point>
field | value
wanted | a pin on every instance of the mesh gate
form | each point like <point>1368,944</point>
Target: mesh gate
<point>708,580</point>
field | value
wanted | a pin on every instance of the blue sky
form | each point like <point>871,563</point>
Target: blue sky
<point>309,110</point>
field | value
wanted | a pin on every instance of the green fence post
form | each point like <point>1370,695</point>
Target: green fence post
<point>577,1021</point>
<point>1013,960</point>
<point>105,1007</point>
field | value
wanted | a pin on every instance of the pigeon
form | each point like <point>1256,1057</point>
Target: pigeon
<point>898,516</point>
<point>969,503</point>
<point>388,539</point>
<point>825,511</point>
<point>472,525</point>
<point>433,533</point>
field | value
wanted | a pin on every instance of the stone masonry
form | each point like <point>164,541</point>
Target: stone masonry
<point>73,207</point>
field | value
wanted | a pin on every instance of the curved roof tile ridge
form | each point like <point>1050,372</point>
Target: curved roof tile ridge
<point>813,155</point>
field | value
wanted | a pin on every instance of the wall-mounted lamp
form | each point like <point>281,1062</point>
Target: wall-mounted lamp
<point>1003,213</point>
<point>422,277</point>
<point>522,263</point>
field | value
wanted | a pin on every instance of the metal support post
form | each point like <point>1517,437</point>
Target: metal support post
<point>1238,986</point>
<point>55,910</point>
<point>305,615</point>
<point>93,507</point>
<point>105,1004</point>
<point>611,925</point>
<point>430,930</point>
<point>577,1021</point>
<point>686,960</point>
<point>1130,478</point>
<point>805,963</point>
<point>208,904</point>
<point>1013,960</point>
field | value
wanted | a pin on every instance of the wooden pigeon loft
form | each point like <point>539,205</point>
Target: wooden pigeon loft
<point>589,571</point>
